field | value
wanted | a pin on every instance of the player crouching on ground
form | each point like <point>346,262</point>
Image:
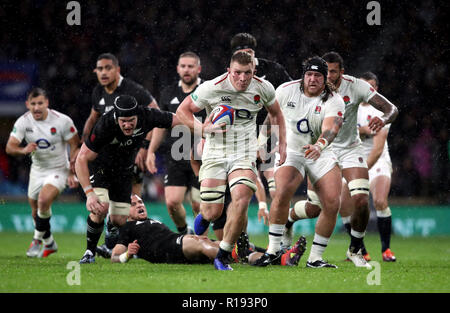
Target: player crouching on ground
<point>153,241</point>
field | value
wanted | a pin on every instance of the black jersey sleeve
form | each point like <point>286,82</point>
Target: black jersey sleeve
<point>164,98</point>
<point>158,118</point>
<point>143,96</point>
<point>102,133</point>
<point>95,98</point>
<point>125,234</point>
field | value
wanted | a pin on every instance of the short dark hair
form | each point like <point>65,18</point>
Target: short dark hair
<point>242,58</point>
<point>36,92</point>
<point>190,54</point>
<point>109,56</point>
<point>370,76</point>
<point>243,41</point>
<point>334,57</point>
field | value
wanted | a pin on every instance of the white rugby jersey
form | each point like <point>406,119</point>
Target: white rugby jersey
<point>353,91</point>
<point>50,135</point>
<point>365,113</point>
<point>304,115</point>
<point>240,139</point>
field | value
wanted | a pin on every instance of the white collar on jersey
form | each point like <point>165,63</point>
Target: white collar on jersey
<point>120,80</point>
<point>198,81</point>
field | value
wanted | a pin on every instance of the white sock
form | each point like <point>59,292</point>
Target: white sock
<point>346,220</point>
<point>226,246</point>
<point>38,234</point>
<point>275,234</point>
<point>47,241</point>
<point>318,247</point>
<point>384,213</point>
<point>357,234</point>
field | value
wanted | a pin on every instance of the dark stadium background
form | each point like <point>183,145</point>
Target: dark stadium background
<point>409,52</point>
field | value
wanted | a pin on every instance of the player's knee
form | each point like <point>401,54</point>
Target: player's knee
<point>330,205</point>
<point>361,202</point>
<point>173,204</point>
<point>213,213</point>
<point>380,204</point>
<point>44,202</point>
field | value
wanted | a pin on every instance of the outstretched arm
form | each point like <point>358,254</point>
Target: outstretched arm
<point>384,105</point>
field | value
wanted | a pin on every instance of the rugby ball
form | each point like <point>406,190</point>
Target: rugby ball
<point>223,114</point>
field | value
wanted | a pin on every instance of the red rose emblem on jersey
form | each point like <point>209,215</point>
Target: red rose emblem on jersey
<point>257,98</point>
<point>72,129</point>
<point>53,130</point>
<point>346,99</point>
<point>369,117</point>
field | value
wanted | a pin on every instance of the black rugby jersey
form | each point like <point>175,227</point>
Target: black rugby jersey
<point>171,98</point>
<point>117,151</point>
<point>152,236</point>
<point>103,102</point>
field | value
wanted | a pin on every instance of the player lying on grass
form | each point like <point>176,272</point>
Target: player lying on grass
<point>153,241</point>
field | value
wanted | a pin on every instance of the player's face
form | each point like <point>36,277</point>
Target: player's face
<point>314,83</point>
<point>107,72</point>
<point>128,124</point>
<point>137,210</point>
<point>334,73</point>
<point>38,106</point>
<point>241,75</point>
<point>188,69</point>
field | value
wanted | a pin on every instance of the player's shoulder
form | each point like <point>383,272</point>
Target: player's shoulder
<point>131,84</point>
<point>293,84</point>
<point>348,79</point>
<point>58,115</point>
<point>335,98</point>
<point>218,81</point>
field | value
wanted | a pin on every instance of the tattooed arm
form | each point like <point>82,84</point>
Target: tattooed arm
<point>330,128</point>
<point>384,105</point>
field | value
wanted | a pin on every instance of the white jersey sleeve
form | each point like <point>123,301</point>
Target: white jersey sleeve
<point>18,130</point>
<point>353,91</point>
<point>365,114</point>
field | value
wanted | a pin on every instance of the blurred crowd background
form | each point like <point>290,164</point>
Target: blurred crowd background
<point>409,52</point>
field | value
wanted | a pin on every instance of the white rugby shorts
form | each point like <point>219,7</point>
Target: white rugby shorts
<point>38,178</point>
<point>314,169</point>
<point>350,157</point>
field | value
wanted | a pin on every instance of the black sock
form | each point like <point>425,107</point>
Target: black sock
<point>289,224</point>
<point>355,244</point>
<point>93,233</point>
<point>224,255</point>
<point>384,228</point>
<point>43,224</point>
<point>111,234</point>
<point>348,228</point>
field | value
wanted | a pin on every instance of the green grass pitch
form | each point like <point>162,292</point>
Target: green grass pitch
<point>423,266</point>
